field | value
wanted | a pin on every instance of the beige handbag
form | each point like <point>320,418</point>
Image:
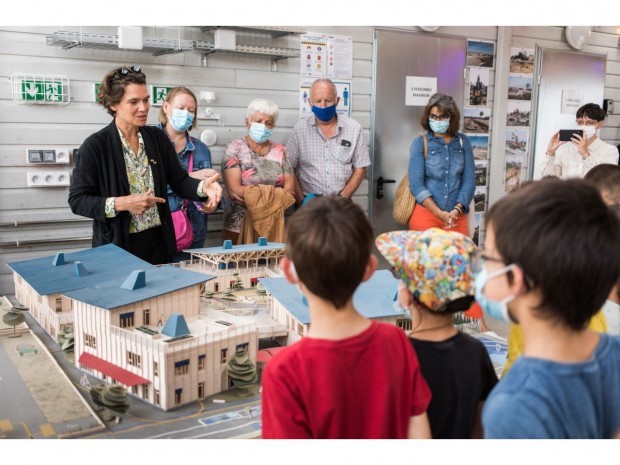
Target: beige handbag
<point>404,201</point>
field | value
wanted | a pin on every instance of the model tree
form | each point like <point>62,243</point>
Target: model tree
<point>66,339</point>
<point>13,318</point>
<point>260,291</point>
<point>238,285</point>
<point>242,371</point>
<point>110,398</point>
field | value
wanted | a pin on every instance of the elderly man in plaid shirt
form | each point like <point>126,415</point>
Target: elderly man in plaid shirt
<point>327,150</point>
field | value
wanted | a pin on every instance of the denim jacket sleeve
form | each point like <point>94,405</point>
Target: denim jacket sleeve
<point>466,193</point>
<point>417,171</point>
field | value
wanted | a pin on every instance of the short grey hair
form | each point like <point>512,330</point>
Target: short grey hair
<point>327,81</point>
<point>264,106</point>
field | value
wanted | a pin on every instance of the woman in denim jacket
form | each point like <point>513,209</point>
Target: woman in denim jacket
<point>177,116</point>
<point>442,180</point>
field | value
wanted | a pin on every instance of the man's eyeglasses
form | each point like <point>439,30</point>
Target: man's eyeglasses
<point>438,117</point>
<point>586,122</point>
<point>125,70</point>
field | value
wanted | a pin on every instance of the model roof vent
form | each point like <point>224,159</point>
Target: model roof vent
<point>80,269</point>
<point>262,241</point>
<point>176,326</point>
<point>59,259</point>
<point>136,280</point>
<point>227,244</point>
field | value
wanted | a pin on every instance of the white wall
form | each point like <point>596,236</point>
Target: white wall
<point>40,220</point>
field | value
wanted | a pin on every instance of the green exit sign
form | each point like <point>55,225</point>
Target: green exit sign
<point>96,90</point>
<point>158,94</point>
<point>47,91</point>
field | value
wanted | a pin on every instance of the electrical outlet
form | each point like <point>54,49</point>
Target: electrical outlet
<point>35,179</point>
<point>49,178</point>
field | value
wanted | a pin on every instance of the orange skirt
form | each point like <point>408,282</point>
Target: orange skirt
<point>422,219</point>
<point>474,311</point>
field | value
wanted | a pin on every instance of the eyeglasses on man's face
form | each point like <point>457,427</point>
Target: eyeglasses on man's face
<point>586,122</point>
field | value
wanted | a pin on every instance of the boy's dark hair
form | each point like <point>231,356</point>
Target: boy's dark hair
<point>446,105</point>
<point>606,179</point>
<point>329,240</point>
<point>566,241</point>
<point>591,111</point>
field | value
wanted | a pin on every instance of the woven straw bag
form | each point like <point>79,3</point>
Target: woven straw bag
<point>404,201</point>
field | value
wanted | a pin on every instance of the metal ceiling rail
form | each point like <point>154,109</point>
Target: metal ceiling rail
<point>276,53</point>
<point>156,46</point>
<point>272,31</point>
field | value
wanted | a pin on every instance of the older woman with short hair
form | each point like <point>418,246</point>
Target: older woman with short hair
<point>253,160</point>
<point>441,169</point>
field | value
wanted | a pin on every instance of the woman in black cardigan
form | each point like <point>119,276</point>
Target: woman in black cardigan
<point>121,173</point>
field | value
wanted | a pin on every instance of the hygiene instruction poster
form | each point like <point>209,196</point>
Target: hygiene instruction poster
<point>326,55</point>
<point>344,92</point>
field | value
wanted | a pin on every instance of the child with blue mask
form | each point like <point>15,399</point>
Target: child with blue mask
<point>551,274</point>
<point>604,178</point>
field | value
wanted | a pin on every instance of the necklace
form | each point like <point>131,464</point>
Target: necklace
<point>432,329</point>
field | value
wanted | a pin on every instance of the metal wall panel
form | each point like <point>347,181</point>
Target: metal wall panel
<point>401,54</point>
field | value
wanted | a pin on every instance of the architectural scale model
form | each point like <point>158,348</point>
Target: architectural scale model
<point>168,333</point>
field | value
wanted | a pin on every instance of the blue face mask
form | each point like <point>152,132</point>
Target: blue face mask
<point>259,132</point>
<point>440,127</point>
<point>181,120</point>
<point>324,114</point>
<point>495,309</point>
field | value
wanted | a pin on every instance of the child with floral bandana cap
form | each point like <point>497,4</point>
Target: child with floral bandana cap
<point>437,280</point>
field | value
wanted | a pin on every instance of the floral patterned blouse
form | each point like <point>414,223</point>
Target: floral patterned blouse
<point>255,169</point>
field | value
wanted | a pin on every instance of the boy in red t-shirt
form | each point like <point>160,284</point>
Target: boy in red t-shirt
<point>350,377</point>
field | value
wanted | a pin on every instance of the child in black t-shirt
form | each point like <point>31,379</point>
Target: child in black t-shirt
<point>435,268</point>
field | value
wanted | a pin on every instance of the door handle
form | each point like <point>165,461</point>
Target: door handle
<point>380,183</point>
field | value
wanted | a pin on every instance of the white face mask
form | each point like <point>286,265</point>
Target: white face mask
<point>588,131</point>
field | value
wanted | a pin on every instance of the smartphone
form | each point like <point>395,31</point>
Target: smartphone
<point>567,134</point>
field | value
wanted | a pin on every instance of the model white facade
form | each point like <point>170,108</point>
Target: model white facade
<point>250,262</point>
<point>167,373</point>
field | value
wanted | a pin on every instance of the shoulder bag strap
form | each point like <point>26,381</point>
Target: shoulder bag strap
<point>190,168</point>
<point>425,143</point>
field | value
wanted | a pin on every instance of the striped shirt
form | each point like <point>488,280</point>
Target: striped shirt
<point>323,166</point>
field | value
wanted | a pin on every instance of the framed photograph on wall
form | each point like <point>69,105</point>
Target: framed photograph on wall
<point>480,146</point>
<point>478,85</point>
<point>476,120</point>
<point>480,173</point>
<point>480,199</point>
<point>520,87</point>
<point>512,176</point>
<point>516,142</point>
<point>480,53</point>
<point>518,112</point>
<point>522,60</point>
